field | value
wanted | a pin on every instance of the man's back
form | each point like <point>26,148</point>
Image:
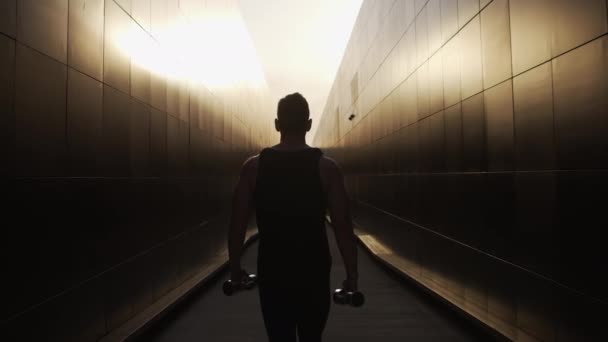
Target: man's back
<point>281,201</point>
<point>290,203</point>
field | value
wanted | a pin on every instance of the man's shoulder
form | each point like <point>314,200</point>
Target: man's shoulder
<point>249,169</point>
<point>329,168</point>
<point>251,162</point>
<point>328,163</point>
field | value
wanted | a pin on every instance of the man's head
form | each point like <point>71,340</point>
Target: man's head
<point>293,115</point>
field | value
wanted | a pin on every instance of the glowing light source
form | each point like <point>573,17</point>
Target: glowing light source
<point>215,50</point>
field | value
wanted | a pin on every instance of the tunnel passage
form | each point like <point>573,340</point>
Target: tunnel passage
<point>476,153</point>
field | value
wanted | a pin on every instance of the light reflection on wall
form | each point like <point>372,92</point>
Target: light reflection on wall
<point>212,48</point>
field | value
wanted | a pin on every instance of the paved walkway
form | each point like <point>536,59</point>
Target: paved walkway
<point>394,311</point>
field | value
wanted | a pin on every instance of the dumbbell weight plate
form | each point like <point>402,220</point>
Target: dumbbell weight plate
<point>357,299</point>
<point>340,297</point>
<point>227,288</point>
<point>250,282</point>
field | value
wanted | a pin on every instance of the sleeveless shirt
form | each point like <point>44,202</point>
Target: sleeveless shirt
<point>290,210</point>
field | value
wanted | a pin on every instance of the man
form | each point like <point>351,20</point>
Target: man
<point>290,186</point>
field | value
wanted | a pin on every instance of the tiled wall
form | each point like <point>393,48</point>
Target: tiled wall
<point>480,139</point>
<point>114,176</point>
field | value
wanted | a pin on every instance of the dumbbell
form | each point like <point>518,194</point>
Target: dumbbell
<point>248,282</point>
<point>352,298</point>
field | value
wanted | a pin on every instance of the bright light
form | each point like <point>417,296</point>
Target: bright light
<point>147,53</point>
<point>300,44</point>
<point>215,50</point>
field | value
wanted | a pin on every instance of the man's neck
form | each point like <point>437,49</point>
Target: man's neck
<point>290,141</point>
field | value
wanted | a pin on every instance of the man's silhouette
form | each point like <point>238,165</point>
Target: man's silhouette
<point>290,186</point>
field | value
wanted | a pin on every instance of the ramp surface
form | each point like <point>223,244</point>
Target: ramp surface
<point>394,311</point>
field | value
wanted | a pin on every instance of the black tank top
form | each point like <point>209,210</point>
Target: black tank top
<point>290,211</point>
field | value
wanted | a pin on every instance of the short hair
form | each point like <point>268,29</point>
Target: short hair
<point>293,112</point>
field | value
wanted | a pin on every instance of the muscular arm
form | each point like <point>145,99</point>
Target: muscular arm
<point>339,210</point>
<point>241,210</point>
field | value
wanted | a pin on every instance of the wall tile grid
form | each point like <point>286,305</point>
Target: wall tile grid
<point>483,123</point>
<point>116,176</point>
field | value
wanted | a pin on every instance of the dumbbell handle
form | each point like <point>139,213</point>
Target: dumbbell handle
<point>352,298</point>
<point>229,288</point>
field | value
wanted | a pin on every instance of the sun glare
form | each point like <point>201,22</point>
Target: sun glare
<point>215,50</point>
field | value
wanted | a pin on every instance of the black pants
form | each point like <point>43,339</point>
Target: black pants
<point>300,310</point>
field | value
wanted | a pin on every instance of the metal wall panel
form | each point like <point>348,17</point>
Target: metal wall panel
<point>85,37</point>
<point>84,123</point>
<point>112,161</point>
<point>501,147</point>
